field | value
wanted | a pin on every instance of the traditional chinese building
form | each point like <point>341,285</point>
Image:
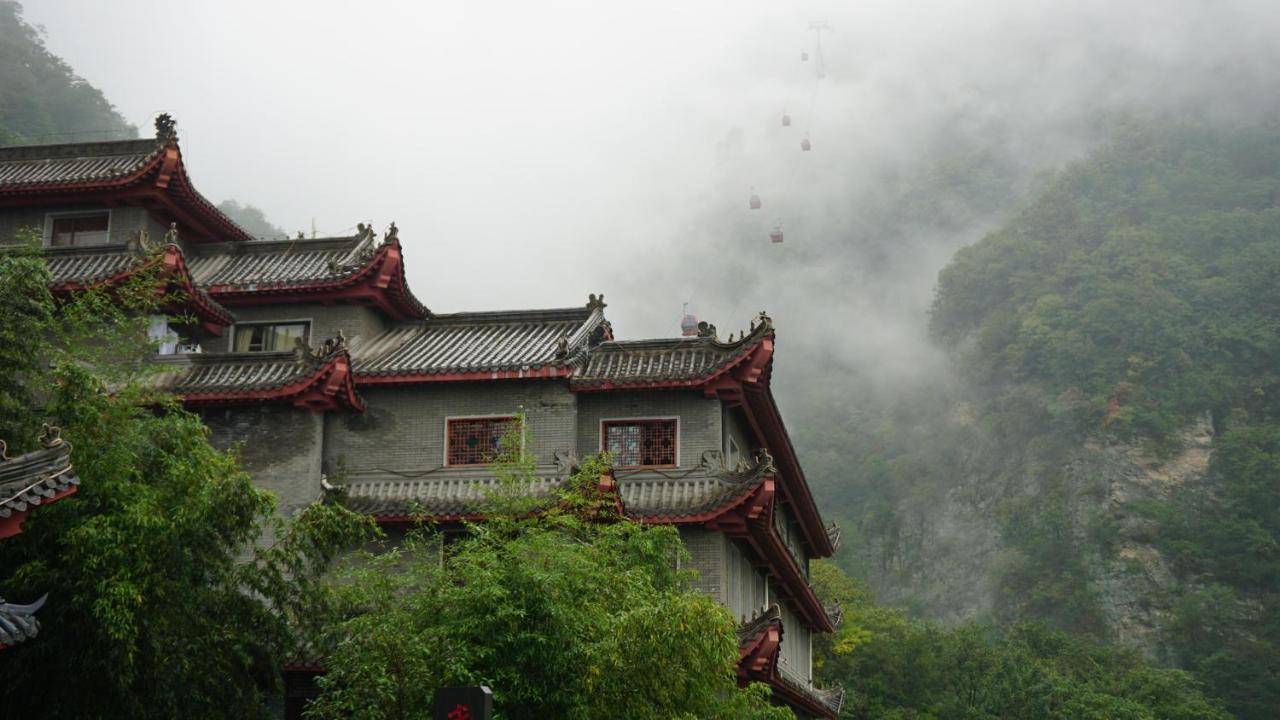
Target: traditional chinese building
<point>319,360</point>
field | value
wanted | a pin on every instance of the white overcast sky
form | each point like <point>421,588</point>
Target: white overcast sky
<point>532,152</point>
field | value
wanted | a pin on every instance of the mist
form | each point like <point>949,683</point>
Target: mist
<point>532,153</point>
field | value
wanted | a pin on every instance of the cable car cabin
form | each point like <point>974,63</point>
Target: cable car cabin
<point>775,235</point>
<point>689,325</point>
<point>804,144</point>
<point>754,202</point>
<point>786,120</point>
<point>804,57</point>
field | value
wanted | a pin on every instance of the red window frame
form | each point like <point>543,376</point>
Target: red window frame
<point>470,441</point>
<point>653,442</point>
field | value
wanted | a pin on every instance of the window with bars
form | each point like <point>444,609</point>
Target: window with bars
<point>265,337</point>
<point>82,229</point>
<point>640,443</point>
<point>475,441</point>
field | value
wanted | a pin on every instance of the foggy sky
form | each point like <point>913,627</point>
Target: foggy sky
<point>534,152</point>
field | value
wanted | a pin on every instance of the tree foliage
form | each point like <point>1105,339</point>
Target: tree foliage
<point>898,668</point>
<point>159,605</point>
<point>41,97</point>
<point>561,614</point>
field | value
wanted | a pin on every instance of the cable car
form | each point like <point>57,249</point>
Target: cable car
<point>754,202</point>
<point>786,120</point>
<point>804,57</point>
<point>775,235</point>
<point>804,144</point>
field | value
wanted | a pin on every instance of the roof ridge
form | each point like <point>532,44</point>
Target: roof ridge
<point>98,148</point>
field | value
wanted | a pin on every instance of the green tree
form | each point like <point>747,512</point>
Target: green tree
<point>159,605</point>
<point>41,97</point>
<point>895,667</point>
<point>561,614</point>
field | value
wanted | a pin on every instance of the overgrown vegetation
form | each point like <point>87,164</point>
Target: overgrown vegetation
<point>572,612</point>
<point>159,606</point>
<point>896,668</point>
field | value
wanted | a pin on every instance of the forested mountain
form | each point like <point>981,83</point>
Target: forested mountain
<point>1071,472</point>
<point>42,100</point>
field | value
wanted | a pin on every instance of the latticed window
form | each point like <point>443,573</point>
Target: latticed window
<point>636,443</point>
<point>476,441</point>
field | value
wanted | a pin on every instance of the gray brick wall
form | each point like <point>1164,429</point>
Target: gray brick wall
<point>281,446</point>
<point>403,428</point>
<point>357,323</point>
<point>124,225</point>
<point>699,425</point>
<point>706,556</point>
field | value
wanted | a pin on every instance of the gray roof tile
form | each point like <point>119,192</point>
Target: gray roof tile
<point>18,622</point>
<point>80,162</point>
<point>645,361</point>
<point>233,372</point>
<point>478,342</point>
<point>457,492</point>
<point>35,477</point>
<point>279,262</point>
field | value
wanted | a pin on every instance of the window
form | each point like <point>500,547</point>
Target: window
<point>158,332</point>
<point>638,443</point>
<point>79,229</point>
<point>265,337</point>
<point>475,441</point>
<point>732,455</point>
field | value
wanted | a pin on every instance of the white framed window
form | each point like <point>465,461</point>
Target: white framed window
<point>475,440</point>
<point>270,336</point>
<point>642,442</point>
<point>77,229</point>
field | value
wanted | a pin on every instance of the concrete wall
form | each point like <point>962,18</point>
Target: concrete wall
<point>403,428</point>
<point>699,426</point>
<point>358,323</point>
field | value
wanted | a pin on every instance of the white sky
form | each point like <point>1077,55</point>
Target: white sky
<point>532,152</point>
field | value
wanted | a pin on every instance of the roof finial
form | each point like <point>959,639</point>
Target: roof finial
<point>166,128</point>
<point>170,235</point>
<point>393,233</point>
<point>595,302</point>
<point>706,330</point>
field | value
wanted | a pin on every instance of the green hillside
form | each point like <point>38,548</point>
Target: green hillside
<point>42,100</point>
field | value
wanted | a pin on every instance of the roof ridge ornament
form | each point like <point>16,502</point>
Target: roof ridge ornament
<point>764,458</point>
<point>596,302</point>
<point>392,235</point>
<point>50,435</point>
<point>170,235</point>
<point>706,330</point>
<point>141,243</point>
<point>166,128</point>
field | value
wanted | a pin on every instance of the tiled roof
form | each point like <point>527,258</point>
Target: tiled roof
<point>18,622</point>
<point>232,371</point>
<point>675,361</point>
<point>662,495</point>
<point>278,262</point>
<point>35,477</point>
<point>76,267</point>
<point>456,495</point>
<point>461,492</point>
<point>748,630</point>
<point>86,265</point>
<point>479,342</point>
<point>75,163</point>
